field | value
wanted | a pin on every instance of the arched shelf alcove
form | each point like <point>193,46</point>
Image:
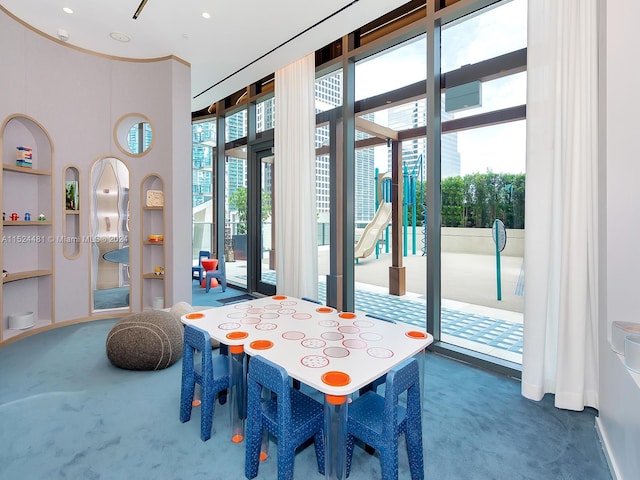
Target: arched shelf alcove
<point>71,228</point>
<point>152,242</point>
<point>27,249</point>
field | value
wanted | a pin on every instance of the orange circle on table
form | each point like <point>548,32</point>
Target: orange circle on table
<point>193,316</point>
<point>347,315</point>
<point>324,310</point>
<point>196,403</point>
<point>261,344</point>
<point>237,335</point>
<point>263,456</point>
<point>336,379</point>
<point>415,334</point>
<point>237,438</point>
<point>279,297</point>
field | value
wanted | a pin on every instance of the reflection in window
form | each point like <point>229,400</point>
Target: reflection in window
<point>488,33</point>
<point>265,115</point>
<point>236,126</point>
<point>328,91</point>
<point>380,73</point>
<point>139,137</point>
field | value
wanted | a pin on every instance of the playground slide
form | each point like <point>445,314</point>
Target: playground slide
<point>367,243</point>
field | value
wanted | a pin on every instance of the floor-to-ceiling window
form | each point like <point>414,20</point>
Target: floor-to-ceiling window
<point>482,52</point>
<point>482,180</point>
<point>203,144</point>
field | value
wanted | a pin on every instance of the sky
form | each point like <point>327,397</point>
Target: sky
<point>495,31</point>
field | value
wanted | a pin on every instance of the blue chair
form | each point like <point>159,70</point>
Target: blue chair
<point>197,271</point>
<point>289,415</point>
<point>219,274</point>
<point>380,420</point>
<point>212,374</point>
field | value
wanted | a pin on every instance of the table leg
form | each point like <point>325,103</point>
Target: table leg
<point>237,391</point>
<point>335,437</point>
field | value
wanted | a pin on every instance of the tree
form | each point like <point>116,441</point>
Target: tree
<point>238,201</point>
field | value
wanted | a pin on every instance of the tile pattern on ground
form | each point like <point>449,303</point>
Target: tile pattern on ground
<point>477,328</point>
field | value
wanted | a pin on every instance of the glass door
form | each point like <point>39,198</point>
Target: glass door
<point>262,253</point>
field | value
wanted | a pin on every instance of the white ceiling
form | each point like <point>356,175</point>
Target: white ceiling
<point>237,35</point>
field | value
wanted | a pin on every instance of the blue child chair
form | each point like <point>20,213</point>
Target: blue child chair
<point>289,415</point>
<point>211,373</point>
<point>379,421</point>
<point>198,270</point>
<point>219,274</point>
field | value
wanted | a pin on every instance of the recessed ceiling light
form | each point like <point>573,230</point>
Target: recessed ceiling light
<point>120,37</point>
<point>206,15</point>
<point>67,10</point>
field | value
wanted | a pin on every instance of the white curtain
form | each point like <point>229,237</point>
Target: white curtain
<point>560,314</point>
<point>295,180</point>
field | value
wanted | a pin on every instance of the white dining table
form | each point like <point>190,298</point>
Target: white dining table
<point>336,353</point>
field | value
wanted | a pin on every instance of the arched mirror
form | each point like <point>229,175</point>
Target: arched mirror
<point>110,212</point>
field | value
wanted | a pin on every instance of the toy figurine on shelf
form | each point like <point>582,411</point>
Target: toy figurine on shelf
<point>14,217</point>
<point>3,214</point>
<point>41,217</point>
<point>159,271</point>
<point>4,273</point>
<point>27,217</point>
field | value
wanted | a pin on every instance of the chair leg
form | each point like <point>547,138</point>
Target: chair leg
<point>186,399</point>
<point>253,439</point>
<point>318,442</point>
<point>413,438</point>
<point>389,462</point>
<point>286,457</point>
<point>206,420</point>
<point>349,448</point>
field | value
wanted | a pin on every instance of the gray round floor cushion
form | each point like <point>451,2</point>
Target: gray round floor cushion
<point>150,340</point>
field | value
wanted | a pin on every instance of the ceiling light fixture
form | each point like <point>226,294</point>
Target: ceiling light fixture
<point>120,37</point>
<point>206,15</point>
<point>67,10</point>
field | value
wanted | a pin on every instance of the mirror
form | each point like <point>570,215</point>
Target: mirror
<point>110,210</point>
<point>134,134</point>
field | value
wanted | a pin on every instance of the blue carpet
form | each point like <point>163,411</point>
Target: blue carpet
<point>67,413</point>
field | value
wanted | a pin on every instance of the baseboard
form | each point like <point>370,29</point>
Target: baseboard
<point>605,448</point>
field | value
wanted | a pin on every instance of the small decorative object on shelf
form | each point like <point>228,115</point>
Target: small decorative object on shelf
<point>41,217</point>
<point>27,217</point>
<point>14,217</point>
<point>155,198</point>
<point>156,238</point>
<point>3,215</point>
<point>71,195</point>
<point>158,271</point>
<point>24,157</point>
<point>4,273</point>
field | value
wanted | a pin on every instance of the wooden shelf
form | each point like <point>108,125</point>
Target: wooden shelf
<point>153,276</point>
<point>24,223</point>
<point>149,242</point>
<point>72,212</point>
<point>14,276</point>
<point>30,171</point>
<point>152,208</point>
